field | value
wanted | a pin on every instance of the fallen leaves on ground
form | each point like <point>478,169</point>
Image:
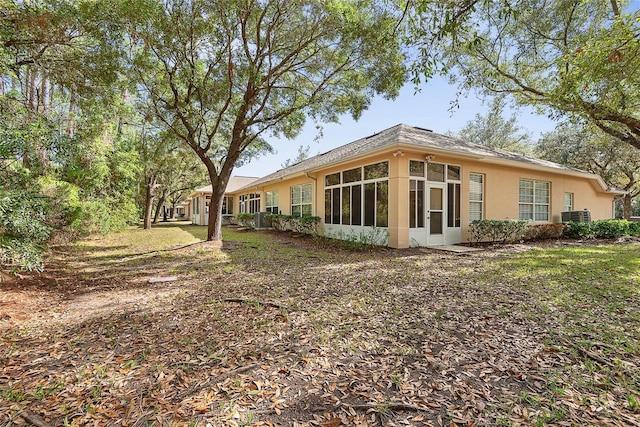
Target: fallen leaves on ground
<point>389,337</point>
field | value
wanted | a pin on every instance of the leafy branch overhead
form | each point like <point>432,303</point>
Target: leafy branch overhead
<point>566,58</point>
<point>223,75</point>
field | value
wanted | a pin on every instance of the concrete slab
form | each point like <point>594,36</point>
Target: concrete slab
<point>456,248</point>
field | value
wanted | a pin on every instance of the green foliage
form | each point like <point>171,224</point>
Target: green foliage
<point>603,229</point>
<point>565,58</point>
<point>366,239</point>
<point>300,224</point>
<point>22,230</point>
<point>494,131</point>
<point>247,219</point>
<point>290,62</point>
<point>490,230</point>
<point>544,231</point>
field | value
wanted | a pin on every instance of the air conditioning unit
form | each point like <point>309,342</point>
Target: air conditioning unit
<point>576,216</point>
<point>261,220</point>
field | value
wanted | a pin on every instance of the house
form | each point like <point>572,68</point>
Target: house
<point>419,187</point>
<point>201,197</point>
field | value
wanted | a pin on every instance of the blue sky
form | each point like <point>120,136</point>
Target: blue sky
<point>430,108</point>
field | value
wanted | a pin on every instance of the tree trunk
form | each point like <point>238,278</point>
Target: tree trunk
<point>626,206</point>
<point>159,206</point>
<point>148,202</point>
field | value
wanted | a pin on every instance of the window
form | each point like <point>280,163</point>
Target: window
<point>416,203</point>
<point>196,206</point>
<point>568,202</point>
<point>301,200</point>
<point>227,205</point>
<point>254,202</point>
<point>534,200</point>
<point>453,204</point>
<point>350,201</point>
<point>476,196</point>
<point>416,168</point>
<point>272,202</point>
<point>435,172</point>
<point>250,203</point>
<point>207,202</point>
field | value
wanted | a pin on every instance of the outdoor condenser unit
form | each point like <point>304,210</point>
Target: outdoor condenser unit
<point>576,216</point>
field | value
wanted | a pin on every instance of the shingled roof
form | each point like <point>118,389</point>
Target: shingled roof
<point>401,136</point>
<point>235,183</point>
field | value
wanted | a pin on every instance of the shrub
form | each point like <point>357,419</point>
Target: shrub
<point>544,231</point>
<point>247,220</point>
<point>370,238</point>
<point>279,222</point>
<point>610,228</point>
<point>604,229</point>
<point>491,230</point>
<point>23,230</point>
<point>306,224</point>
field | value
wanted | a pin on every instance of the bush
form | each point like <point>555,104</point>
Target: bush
<point>23,230</point>
<point>610,229</point>
<point>603,229</point>
<point>489,230</point>
<point>247,220</point>
<point>544,231</point>
<point>300,224</point>
<point>370,238</point>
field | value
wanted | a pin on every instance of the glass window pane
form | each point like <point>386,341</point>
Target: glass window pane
<point>421,204</point>
<point>416,168</point>
<point>526,191</point>
<point>306,193</point>
<point>435,172</point>
<point>413,205</point>
<point>306,210</point>
<point>435,199</point>
<point>526,212</point>
<point>346,205</point>
<point>352,175</point>
<point>369,203</point>
<point>356,205</point>
<point>453,173</point>
<point>382,205</point>
<point>475,211</point>
<point>332,179</point>
<point>327,207</point>
<point>435,223</point>
<point>335,202</point>
<point>378,170</point>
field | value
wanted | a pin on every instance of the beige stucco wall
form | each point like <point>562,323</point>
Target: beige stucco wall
<point>500,198</point>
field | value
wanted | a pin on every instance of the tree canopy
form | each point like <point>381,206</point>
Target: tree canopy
<point>224,74</point>
<point>494,131</point>
<point>567,58</point>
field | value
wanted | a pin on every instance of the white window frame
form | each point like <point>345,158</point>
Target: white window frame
<point>534,205</point>
<point>568,204</point>
<point>476,196</point>
<point>302,198</point>
<point>271,202</point>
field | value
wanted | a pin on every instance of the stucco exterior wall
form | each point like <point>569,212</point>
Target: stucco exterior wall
<point>501,191</point>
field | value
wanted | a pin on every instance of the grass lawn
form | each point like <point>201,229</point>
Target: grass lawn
<point>278,330</point>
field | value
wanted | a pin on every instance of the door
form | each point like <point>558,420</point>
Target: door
<point>435,214</point>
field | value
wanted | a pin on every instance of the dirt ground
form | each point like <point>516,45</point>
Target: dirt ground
<point>329,338</point>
